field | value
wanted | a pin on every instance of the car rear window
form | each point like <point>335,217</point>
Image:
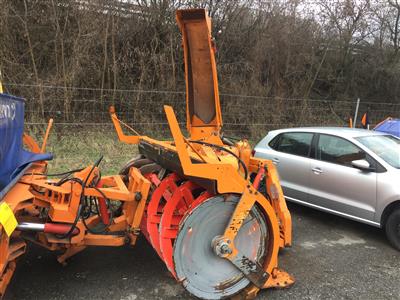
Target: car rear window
<point>296,143</point>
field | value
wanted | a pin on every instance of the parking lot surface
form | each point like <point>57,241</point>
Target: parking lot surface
<point>331,258</point>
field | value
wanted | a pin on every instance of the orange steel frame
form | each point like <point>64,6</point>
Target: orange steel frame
<point>35,192</point>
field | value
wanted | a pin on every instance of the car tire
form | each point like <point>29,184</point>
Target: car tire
<point>392,228</point>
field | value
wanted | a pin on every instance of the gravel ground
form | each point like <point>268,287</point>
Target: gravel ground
<point>331,258</point>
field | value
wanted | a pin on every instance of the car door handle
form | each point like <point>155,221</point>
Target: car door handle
<point>317,171</point>
<point>275,160</point>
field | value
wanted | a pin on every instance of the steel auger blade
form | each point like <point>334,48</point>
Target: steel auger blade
<point>173,212</point>
<point>161,195</point>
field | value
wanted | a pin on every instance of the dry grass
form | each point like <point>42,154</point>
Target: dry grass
<point>77,148</point>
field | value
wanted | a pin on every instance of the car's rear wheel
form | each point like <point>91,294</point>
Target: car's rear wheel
<point>392,228</point>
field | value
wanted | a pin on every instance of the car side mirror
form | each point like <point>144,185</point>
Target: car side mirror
<point>362,165</point>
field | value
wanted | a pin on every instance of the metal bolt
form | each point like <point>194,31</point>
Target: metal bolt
<point>138,196</point>
<point>225,249</point>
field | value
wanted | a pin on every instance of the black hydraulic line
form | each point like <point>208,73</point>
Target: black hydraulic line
<point>73,226</point>
<point>57,174</point>
<point>106,225</point>
<point>82,198</point>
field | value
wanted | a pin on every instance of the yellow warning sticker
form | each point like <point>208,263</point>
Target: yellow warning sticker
<point>7,218</point>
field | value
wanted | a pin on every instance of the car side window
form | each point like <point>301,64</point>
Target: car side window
<point>338,150</point>
<point>297,143</point>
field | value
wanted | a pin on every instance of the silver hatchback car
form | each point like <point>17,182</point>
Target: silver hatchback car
<point>353,173</point>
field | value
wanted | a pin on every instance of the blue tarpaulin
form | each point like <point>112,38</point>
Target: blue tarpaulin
<point>13,158</point>
<point>391,126</point>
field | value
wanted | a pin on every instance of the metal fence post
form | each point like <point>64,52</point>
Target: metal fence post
<point>355,115</point>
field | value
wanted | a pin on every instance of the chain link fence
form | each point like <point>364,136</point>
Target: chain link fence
<point>83,129</point>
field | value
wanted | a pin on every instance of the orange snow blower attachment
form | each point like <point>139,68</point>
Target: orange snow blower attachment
<point>209,218</point>
<point>214,214</point>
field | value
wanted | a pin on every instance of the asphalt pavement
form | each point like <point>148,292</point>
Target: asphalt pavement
<point>331,258</point>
